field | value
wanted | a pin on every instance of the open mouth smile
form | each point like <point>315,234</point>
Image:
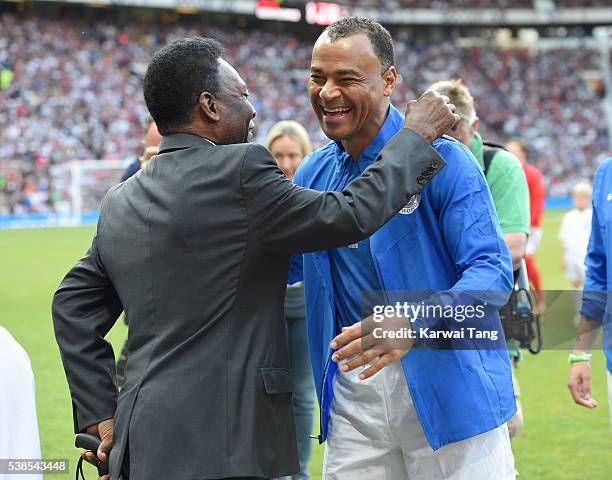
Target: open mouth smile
<point>335,112</point>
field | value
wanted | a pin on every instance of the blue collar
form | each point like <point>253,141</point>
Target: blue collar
<point>393,124</point>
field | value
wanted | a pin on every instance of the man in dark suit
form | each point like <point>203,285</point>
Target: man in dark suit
<point>195,248</point>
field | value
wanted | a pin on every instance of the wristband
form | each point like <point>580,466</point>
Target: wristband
<point>579,357</point>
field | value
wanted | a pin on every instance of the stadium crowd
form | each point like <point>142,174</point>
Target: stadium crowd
<point>390,5</point>
<point>71,90</point>
<point>581,3</point>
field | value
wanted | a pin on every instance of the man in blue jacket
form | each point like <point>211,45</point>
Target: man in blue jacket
<point>429,413</point>
<point>596,303</point>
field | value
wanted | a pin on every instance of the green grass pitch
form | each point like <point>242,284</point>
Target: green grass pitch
<point>560,441</point>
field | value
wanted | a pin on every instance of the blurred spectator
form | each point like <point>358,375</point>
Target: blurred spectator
<point>150,143</point>
<point>574,236</point>
<point>289,143</point>
<point>537,196</point>
<point>6,77</point>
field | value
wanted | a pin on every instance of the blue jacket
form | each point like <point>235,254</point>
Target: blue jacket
<point>131,170</point>
<point>451,241</point>
<point>596,303</point>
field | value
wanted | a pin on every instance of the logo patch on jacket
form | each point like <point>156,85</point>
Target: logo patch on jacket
<point>412,205</point>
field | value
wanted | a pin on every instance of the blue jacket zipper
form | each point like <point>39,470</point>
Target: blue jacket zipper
<point>319,437</point>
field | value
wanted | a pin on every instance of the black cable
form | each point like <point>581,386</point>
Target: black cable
<point>538,331</point>
<point>80,469</point>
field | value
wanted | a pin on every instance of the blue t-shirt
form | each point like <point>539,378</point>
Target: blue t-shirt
<point>352,268</point>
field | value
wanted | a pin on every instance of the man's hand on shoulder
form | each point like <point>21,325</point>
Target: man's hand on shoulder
<point>431,115</point>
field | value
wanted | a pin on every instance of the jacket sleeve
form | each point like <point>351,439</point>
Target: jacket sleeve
<point>288,219</point>
<point>594,297</point>
<point>85,307</point>
<point>472,235</point>
<point>470,224</point>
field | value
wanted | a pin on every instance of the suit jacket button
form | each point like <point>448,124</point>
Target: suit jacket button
<point>435,165</point>
<point>420,180</point>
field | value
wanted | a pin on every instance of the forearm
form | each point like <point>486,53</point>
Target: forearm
<point>403,168</point>
<point>516,243</point>
<point>588,330</point>
<point>290,219</point>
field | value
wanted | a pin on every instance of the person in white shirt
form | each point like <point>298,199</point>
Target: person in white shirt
<point>18,423</point>
<point>574,236</point>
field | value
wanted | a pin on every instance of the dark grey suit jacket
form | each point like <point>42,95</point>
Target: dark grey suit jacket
<point>195,248</point>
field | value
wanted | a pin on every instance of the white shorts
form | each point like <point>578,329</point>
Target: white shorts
<point>374,434</point>
<point>574,268</point>
<point>533,242</point>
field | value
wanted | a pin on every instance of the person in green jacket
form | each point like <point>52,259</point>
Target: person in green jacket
<point>510,193</point>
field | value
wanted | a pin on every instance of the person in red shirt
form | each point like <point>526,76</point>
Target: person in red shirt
<point>537,195</point>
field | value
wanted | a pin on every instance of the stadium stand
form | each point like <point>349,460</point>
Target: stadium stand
<point>394,4</point>
<point>581,3</point>
<point>459,4</point>
<point>70,89</point>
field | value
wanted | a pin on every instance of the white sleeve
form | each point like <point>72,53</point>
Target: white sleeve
<point>18,423</point>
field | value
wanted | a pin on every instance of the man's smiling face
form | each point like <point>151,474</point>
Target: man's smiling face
<point>238,112</point>
<point>348,89</point>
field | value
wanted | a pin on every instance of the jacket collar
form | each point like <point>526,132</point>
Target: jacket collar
<point>393,124</point>
<point>176,141</point>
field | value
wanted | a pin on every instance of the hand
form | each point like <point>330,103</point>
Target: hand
<point>104,431</point>
<point>148,153</point>
<point>579,384</point>
<point>431,115</point>
<point>363,341</point>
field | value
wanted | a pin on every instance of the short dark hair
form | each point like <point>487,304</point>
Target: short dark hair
<point>176,77</point>
<point>379,36</point>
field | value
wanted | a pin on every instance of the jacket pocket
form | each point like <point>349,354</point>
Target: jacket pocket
<point>273,425</point>
<point>277,380</point>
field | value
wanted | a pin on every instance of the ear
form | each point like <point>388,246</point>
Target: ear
<point>474,127</point>
<point>209,106</point>
<point>389,79</point>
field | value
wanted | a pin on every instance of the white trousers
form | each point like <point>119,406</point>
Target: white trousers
<point>374,434</point>
<point>574,268</point>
